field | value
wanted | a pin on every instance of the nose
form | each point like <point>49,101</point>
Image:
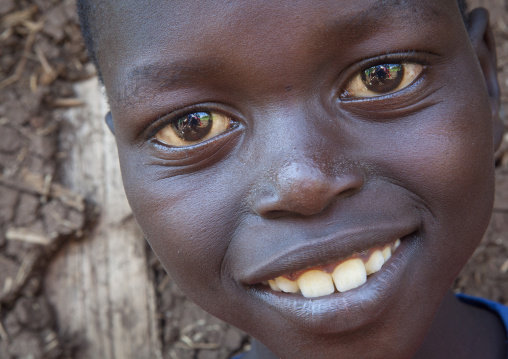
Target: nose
<point>303,189</point>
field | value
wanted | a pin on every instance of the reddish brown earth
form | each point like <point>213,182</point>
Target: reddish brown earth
<point>41,55</point>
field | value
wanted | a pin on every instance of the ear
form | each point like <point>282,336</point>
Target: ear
<point>109,122</point>
<point>482,39</point>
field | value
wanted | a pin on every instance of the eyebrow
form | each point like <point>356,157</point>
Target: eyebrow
<point>145,79</point>
<point>173,72</point>
<point>159,76</point>
<point>411,11</point>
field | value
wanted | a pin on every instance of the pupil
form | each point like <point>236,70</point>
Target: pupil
<point>383,78</point>
<point>194,126</point>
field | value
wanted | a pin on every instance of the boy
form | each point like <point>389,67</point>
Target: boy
<point>314,172</point>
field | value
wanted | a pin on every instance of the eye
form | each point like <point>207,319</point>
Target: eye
<point>382,79</point>
<point>194,128</point>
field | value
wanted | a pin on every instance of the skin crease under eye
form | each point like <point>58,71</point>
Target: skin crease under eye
<point>168,135</point>
<point>357,89</point>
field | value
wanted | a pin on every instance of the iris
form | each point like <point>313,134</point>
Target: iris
<point>383,78</point>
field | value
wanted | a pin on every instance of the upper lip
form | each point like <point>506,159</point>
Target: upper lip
<point>326,249</point>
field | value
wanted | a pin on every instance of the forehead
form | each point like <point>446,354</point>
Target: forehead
<point>242,13</point>
<point>252,11</point>
<point>196,37</point>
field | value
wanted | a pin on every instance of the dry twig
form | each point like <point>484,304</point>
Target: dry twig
<point>26,269</point>
<point>24,58</point>
<point>504,267</point>
<point>3,333</point>
<point>67,102</point>
<point>35,183</point>
<point>25,235</point>
<point>18,17</point>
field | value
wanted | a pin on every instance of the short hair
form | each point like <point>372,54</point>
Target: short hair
<point>87,10</point>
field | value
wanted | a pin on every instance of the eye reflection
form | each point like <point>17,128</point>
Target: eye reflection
<point>382,79</point>
<point>194,128</point>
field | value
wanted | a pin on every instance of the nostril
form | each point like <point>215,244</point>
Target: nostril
<point>303,191</point>
<point>349,192</point>
<point>353,184</point>
<point>274,214</point>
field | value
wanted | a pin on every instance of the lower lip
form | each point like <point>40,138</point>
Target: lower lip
<point>340,312</point>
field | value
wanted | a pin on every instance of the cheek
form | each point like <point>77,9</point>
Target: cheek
<point>446,162</point>
<point>188,221</point>
<point>463,183</point>
<point>455,168</point>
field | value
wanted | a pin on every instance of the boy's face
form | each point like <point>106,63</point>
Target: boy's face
<point>302,169</point>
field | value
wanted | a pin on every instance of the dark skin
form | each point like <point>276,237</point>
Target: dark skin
<point>308,172</point>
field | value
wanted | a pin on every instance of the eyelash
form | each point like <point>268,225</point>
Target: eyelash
<point>168,118</point>
<point>421,58</point>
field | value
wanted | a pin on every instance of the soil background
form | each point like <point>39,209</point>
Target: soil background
<point>41,57</point>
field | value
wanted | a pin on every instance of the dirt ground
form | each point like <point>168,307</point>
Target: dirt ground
<point>41,56</point>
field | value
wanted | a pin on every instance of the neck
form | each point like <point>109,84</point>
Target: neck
<point>463,331</point>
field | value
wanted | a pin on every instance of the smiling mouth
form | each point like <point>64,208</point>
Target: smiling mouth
<point>341,276</point>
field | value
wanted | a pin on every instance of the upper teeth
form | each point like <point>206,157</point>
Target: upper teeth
<point>346,275</point>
